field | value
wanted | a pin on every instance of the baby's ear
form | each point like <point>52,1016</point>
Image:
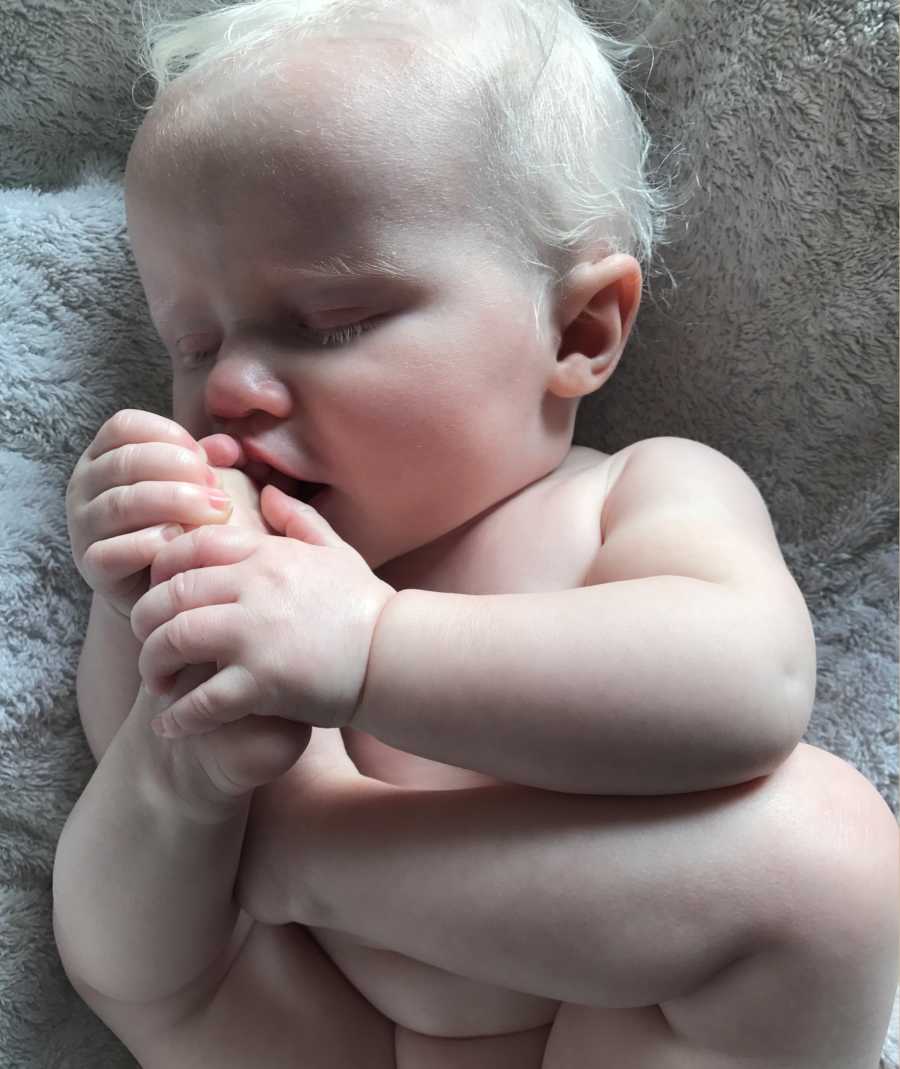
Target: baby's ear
<point>597,311</point>
<point>292,518</point>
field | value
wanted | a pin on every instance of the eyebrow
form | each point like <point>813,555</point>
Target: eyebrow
<point>352,267</point>
<point>331,267</point>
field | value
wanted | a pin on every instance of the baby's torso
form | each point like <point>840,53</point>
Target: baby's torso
<point>545,538</point>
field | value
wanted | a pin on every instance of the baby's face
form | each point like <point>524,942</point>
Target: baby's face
<point>418,395</point>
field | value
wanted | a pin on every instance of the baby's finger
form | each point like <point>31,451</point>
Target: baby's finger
<point>146,462</point>
<point>115,559</point>
<point>208,635</point>
<point>222,450</point>
<point>227,696</point>
<point>134,425</point>
<point>185,590</point>
<point>124,509</point>
<point>203,548</point>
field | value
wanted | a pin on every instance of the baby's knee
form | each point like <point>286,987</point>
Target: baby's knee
<point>838,865</point>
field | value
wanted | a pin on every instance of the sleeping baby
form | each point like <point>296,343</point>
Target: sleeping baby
<point>426,739</point>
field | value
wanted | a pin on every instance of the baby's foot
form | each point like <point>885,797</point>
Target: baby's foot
<point>244,498</point>
<point>284,827</point>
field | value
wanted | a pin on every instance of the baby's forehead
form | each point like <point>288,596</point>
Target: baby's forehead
<point>338,98</point>
<point>314,140</point>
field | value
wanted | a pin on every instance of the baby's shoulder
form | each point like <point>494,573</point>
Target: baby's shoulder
<point>675,506</point>
<point>589,474</point>
<point>585,461</point>
<point>668,469</point>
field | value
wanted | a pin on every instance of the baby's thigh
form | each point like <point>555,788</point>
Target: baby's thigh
<point>284,1005</point>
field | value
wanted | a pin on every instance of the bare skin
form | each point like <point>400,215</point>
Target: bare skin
<point>305,843</point>
<point>729,928</point>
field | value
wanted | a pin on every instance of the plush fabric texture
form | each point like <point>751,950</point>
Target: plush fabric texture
<point>778,347</point>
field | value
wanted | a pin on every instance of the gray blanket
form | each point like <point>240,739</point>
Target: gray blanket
<point>778,347</point>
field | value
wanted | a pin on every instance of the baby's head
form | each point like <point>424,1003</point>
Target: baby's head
<point>392,243</point>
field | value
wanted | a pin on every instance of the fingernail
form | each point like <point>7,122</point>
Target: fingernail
<point>171,531</point>
<point>212,479</point>
<point>220,501</point>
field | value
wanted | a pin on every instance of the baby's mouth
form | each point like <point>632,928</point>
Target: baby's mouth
<point>305,491</point>
<point>263,474</point>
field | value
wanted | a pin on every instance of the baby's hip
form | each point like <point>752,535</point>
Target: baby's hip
<point>431,1002</point>
<point>516,1050</point>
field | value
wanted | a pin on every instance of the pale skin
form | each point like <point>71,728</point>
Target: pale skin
<point>666,974</point>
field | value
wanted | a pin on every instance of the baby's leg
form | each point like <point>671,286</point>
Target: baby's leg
<point>759,918</point>
<point>108,679</point>
<point>816,990</point>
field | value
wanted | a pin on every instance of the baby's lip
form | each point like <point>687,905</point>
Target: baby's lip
<point>252,452</point>
<point>264,475</point>
<point>261,473</point>
<point>259,458</point>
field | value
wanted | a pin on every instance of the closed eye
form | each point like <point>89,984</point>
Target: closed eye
<point>340,335</point>
<point>326,338</point>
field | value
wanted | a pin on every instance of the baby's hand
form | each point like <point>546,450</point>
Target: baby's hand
<point>288,621</point>
<point>141,474</point>
<point>254,751</point>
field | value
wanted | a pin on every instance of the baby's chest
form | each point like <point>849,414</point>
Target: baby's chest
<point>544,539</point>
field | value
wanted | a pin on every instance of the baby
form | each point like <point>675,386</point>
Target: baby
<point>435,741</point>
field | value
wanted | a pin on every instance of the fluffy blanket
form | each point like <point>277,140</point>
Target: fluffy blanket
<point>777,346</point>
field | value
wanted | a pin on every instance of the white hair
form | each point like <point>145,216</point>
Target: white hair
<point>564,143</point>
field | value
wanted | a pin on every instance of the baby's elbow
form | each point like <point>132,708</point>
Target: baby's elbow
<point>798,685</point>
<point>784,662</point>
<point>789,711</point>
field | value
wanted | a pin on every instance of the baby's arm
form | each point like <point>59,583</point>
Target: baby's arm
<point>686,662</point>
<point>108,679</point>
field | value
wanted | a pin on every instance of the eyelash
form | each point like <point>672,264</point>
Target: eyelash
<point>340,335</point>
<point>327,338</point>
